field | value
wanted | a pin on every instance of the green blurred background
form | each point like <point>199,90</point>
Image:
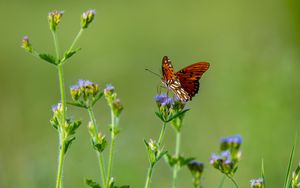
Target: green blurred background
<point>252,87</point>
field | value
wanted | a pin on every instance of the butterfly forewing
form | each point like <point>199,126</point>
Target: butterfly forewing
<point>184,83</point>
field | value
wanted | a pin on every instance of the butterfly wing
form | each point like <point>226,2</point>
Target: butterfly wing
<point>171,81</point>
<point>190,75</point>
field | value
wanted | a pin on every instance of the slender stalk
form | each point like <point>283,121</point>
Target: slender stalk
<point>75,40</point>
<point>150,170</point>
<point>233,181</point>
<point>149,175</point>
<point>177,151</point>
<point>222,181</point>
<point>161,135</point>
<point>112,146</point>
<point>62,135</point>
<point>99,154</point>
<point>196,181</point>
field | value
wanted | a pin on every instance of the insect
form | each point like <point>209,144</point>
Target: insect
<point>184,83</point>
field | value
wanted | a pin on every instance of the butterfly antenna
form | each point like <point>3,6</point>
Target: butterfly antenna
<point>153,72</point>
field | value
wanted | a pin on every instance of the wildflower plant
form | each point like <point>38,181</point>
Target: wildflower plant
<point>257,183</point>
<point>65,126</point>
<point>227,161</point>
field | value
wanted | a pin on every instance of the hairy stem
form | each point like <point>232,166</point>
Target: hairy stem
<point>177,151</point>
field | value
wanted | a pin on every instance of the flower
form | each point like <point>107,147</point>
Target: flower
<point>87,17</point>
<point>117,107</point>
<point>54,18</point>
<point>163,100</point>
<point>231,143</point>
<point>196,167</point>
<point>257,183</point>
<point>109,90</point>
<point>26,44</point>
<point>75,92</point>
<point>57,108</point>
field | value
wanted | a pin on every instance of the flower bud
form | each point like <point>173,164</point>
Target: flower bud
<point>26,44</point>
<point>109,90</point>
<point>257,183</point>
<point>54,18</point>
<point>87,17</point>
<point>196,167</point>
<point>57,108</point>
<point>231,143</point>
<point>75,92</point>
<point>117,107</point>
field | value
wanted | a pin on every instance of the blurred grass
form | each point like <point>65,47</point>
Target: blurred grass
<point>252,87</point>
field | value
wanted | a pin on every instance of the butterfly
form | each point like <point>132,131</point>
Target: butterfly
<point>184,83</point>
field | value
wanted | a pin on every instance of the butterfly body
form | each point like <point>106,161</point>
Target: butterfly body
<point>184,83</point>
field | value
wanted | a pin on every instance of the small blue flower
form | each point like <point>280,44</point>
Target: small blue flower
<point>231,143</point>
<point>256,183</point>
<point>196,167</point>
<point>74,87</point>
<point>84,83</point>
<point>57,107</point>
<point>163,100</point>
<point>109,91</point>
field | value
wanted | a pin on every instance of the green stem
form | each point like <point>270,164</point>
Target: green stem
<point>177,151</point>
<point>62,135</point>
<point>75,40</point>
<point>99,154</point>
<point>196,181</point>
<point>233,181</point>
<point>162,133</point>
<point>222,181</point>
<point>150,170</point>
<point>112,146</point>
<point>149,175</point>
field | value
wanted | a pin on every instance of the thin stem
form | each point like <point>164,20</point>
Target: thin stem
<point>196,181</point>
<point>162,133</point>
<point>222,181</point>
<point>149,175</point>
<point>177,151</point>
<point>99,154</point>
<point>112,146</point>
<point>150,170</point>
<point>75,40</point>
<point>62,135</point>
<point>233,181</point>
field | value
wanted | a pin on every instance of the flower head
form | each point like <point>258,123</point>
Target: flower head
<point>54,18</point>
<point>26,44</point>
<point>163,100</point>
<point>57,108</point>
<point>75,92</point>
<point>196,167</point>
<point>87,17</point>
<point>109,90</point>
<point>231,143</point>
<point>257,183</point>
<point>117,107</point>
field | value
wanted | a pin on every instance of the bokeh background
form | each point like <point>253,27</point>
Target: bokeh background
<point>251,89</point>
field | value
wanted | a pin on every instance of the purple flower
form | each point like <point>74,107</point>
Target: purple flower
<point>256,183</point>
<point>57,107</point>
<point>163,100</point>
<point>109,90</point>
<point>87,17</point>
<point>231,143</point>
<point>196,167</point>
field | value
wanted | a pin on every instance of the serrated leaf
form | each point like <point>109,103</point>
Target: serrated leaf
<point>92,183</point>
<point>97,98</point>
<point>158,114</point>
<point>69,54</point>
<point>177,115</point>
<point>77,104</point>
<point>48,58</point>
<point>68,143</point>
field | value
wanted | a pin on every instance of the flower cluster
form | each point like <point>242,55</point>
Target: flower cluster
<point>26,44</point>
<point>86,18</point>
<point>170,109</point>
<point>257,183</point>
<point>54,18</point>
<point>112,100</point>
<point>230,155</point>
<point>85,93</point>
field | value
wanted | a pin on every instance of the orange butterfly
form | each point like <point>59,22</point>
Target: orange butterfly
<point>184,83</point>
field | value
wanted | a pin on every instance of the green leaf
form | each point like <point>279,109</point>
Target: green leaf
<point>97,98</point>
<point>158,114</point>
<point>161,155</point>
<point>77,104</point>
<point>184,161</point>
<point>177,115</point>
<point>68,143</point>
<point>287,176</point>
<point>263,173</point>
<point>92,183</point>
<point>49,58</point>
<point>69,54</point>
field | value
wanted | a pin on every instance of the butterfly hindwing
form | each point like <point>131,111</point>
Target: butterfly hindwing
<point>190,75</point>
